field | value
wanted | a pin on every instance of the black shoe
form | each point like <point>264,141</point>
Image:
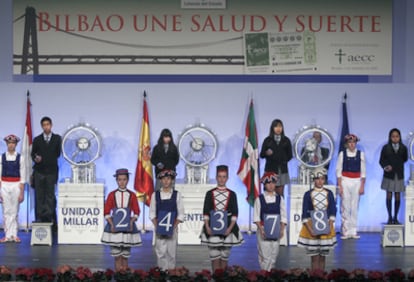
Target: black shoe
<point>390,221</point>
<point>395,221</point>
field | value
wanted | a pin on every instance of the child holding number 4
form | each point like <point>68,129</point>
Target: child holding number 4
<point>121,211</point>
<point>270,218</point>
<point>220,211</point>
<point>166,212</point>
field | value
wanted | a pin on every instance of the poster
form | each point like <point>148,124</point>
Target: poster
<point>161,37</point>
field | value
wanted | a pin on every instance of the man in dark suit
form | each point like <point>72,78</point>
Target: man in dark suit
<point>46,149</point>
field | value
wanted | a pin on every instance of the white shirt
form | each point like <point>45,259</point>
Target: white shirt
<point>12,157</point>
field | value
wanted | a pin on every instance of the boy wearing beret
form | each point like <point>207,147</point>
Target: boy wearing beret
<point>166,212</point>
<point>269,204</point>
<point>12,171</point>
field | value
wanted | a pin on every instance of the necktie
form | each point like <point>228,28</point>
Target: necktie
<point>395,146</point>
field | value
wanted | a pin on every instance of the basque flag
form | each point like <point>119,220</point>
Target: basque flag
<point>249,163</point>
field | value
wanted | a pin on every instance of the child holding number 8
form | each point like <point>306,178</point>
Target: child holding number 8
<point>269,208</point>
<point>220,231</point>
<point>166,212</point>
<point>121,211</point>
<point>318,233</point>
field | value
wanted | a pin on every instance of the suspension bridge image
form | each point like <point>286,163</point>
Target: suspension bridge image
<point>32,59</point>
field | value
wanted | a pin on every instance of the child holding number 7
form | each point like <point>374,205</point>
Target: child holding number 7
<point>270,217</point>
<point>220,211</point>
<point>121,211</point>
<point>166,212</point>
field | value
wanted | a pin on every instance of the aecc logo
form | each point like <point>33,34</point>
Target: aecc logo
<point>354,58</point>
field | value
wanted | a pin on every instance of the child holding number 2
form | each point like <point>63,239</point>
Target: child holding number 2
<point>121,211</point>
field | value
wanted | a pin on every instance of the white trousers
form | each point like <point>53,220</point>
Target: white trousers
<point>10,192</point>
<point>166,250</point>
<point>349,205</point>
<point>268,251</point>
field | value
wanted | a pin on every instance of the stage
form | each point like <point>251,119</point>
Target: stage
<point>366,253</point>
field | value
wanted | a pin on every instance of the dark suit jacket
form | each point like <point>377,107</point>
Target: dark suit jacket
<point>394,159</point>
<point>49,152</point>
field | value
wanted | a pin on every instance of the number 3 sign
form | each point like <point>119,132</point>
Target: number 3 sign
<point>218,222</point>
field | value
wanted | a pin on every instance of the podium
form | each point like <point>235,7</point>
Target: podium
<point>296,193</point>
<point>41,233</point>
<point>393,236</point>
<point>193,199</point>
<point>80,213</point>
<point>409,214</point>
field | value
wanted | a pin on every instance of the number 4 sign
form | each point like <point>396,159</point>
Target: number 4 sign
<point>165,224</point>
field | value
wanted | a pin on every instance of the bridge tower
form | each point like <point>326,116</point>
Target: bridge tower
<point>30,60</point>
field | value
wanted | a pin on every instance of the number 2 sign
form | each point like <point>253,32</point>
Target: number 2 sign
<point>121,218</point>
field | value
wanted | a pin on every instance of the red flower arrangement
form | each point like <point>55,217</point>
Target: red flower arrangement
<point>66,273</point>
<point>5,273</point>
<point>34,274</point>
<point>338,275</point>
<point>202,276</point>
<point>82,274</point>
<point>395,275</point>
<point>375,275</point>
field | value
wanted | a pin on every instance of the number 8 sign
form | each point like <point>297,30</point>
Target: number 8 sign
<point>320,223</point>
<point>218,222</point>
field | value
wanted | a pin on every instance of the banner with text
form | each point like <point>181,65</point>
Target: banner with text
<point>203,37</point>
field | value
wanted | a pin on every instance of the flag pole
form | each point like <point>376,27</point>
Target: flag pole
<point>143,183</point>
<point>249,164</point>
<point>27,188</point>
<point>25,151</point>
<point>143,213</point>
<point>249,232</point>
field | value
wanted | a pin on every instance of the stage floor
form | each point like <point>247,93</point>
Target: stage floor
<point>366,253</point>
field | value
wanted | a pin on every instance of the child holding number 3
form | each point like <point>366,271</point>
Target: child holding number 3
<point>270,218</point>
<point>166,212</point>
<point>121,211</point>
<point>220,211</point>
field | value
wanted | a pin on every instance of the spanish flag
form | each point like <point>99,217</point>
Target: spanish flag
<point>144,183</point>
